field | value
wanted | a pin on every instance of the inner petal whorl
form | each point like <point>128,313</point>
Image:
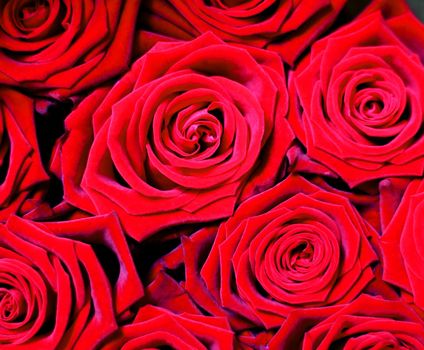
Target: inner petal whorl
<point>302,255</point>
<point>32,22</point>
<point>297,258</point>
<point>12,305</point>
<point>194,132</point>
<point>373,103</point>
<point>33,13</point>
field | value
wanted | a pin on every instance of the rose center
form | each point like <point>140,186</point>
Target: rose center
<point>195,132</point>
<point>12,305</point>
<point>302,256</point>
<point>374,102</point>
<point>370,104</point>
<point>203,135</point>
<point>298,255</point>
<point>34,13</point>
<point>373,107</point>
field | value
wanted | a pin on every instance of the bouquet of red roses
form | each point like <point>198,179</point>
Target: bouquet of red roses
<point>211,174</point>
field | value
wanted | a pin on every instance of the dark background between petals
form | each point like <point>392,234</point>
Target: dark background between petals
<point>418,7</point>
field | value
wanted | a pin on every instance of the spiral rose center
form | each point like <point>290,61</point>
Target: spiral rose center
<point>195,132</point>
<point>12,305</point>
<point>298,253</point>
<point>302,256</point>
<point>33,13</point>
<point>371,107</point>
<point>370,104</point>
<point>373,103</point>
<point>203,135</point>
<point>295,258</point>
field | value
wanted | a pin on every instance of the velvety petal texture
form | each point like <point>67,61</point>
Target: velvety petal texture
<point>157,328</point>
<point>366,323</point>
<point>402,244</point>
<point>284,26</point>
<point>356,100</point>
<point>60,47</point>
<point>293,246</point>
<point>211,175</point>
<point>181,138</point>
<point>56,286</point>
<point>21,169</point>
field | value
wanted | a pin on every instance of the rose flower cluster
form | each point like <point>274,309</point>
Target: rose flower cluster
<point>211,174</point>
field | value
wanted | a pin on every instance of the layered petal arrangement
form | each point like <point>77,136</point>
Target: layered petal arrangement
<point>367,323</point>
<point>357,99</point>
<point>211,174</point>
<point>60,47</point>
<point>156,327</point>
<point>181,138</point>
<point>286,27</point>
<point>55,292</point>
<point>403,240</point>
<point>21,168</point>
<point>293,246</point>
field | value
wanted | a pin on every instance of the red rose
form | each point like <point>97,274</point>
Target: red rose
<point>293,246</point>
<point>64,285</point>
<point>20,162</point>
<point>356,101</point>
<point>62,47</point>
<point>156,328</point>
<point>402,244</point>
<point>366,323</point>
<point>287,27</point>
<point>181,138</point>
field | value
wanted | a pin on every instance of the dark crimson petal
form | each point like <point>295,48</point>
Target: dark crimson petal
<point>294,246</point>
<point>402,244</point>
<point>156,327</point>
<point>184,137</point>
<point>367,322</point>
<point>356,99</point>
<point>57,291</point>
<point>286,27</point>
<point>20,160</point>
<point>63,47</point>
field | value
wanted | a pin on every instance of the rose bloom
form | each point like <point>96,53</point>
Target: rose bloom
<point>293,246</point>
<point>191,130</point>
<point>64,285</point>
<point>155,327</point>
<point>62,47</point>
<point>402,244</point>
<point>366,323</point>
<point>287,27</point>
<point>21,169</point>
<point>356,100</point>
